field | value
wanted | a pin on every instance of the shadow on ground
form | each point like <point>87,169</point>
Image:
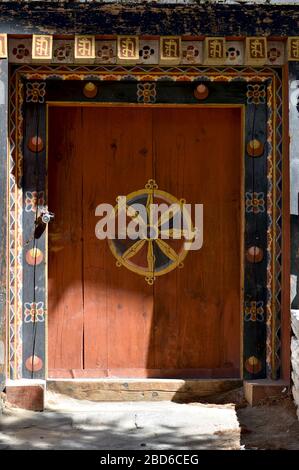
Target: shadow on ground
<point>127,426</point>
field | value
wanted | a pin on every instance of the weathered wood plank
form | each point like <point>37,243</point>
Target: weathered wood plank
<point>141,390</point>
<point>3,208</point>
<point>141,373</point>
<point>33,182</point>
<point>188,19</point>
<point>197,308</point>
<point>65,319</point>
<point>258,390</point>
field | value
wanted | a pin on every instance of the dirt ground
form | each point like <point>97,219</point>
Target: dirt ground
<point>272,425</point>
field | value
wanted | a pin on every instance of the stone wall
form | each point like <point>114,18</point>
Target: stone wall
<point>294,189</point>
<point>295,357</point>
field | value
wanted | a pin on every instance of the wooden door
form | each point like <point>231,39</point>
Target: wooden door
<point>107,321</point>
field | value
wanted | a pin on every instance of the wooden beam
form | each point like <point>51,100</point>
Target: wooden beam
<point>142,390</point>
<point>156,19</point>
<point>3,209</point>
<point>256,391</point>
<point>286,242</point>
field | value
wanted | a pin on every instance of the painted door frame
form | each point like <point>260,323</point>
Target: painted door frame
<point>32,87</point>
<point>3,215</point>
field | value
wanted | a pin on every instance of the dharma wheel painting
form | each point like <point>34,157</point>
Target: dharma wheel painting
<point>159,245</point>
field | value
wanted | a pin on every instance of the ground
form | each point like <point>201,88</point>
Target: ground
<point>74,424</point>
<point>80,424</point>
<point>272,425</point>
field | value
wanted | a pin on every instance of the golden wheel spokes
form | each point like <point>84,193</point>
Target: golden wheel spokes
<point>176,233</point>
<point>167,250</point>
<point>132,233</point>
<point>150,256</point>
<point>146,225</point>
<point>131,212</point>
<point>169,214</point>
<point>149,202</point>
<point>134,215</point>
<point>135,248</point>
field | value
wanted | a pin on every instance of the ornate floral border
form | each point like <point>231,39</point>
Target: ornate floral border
<point>116,73</point>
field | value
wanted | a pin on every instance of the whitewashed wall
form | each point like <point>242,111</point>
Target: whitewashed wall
<point>294,180</point>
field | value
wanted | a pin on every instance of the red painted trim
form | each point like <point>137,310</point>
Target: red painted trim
<point>286,247</point>
<point>146,373</point>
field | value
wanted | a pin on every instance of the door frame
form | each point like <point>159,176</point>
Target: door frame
<point>31,92</point>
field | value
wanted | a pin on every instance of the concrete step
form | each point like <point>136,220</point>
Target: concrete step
<point>76,424</point>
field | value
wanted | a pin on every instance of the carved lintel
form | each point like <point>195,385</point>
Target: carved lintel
<point>170,50</point>
<point>256,51</point>
<point>214,51</point>
<point>85,49</point>
<point>3,46</point>
<point>127,49</point>
<point>293,48</point>
<point>42,46</point>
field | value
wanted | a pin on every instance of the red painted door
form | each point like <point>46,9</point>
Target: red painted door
<point>105,320</point>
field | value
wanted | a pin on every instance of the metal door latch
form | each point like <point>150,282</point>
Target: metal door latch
<point>42,221</point>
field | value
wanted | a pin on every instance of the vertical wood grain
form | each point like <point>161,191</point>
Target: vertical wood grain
<point>197,308</point>
<point>65,307</point>
<point>110,319</point>
<point>118,303</point>
<point>3,212</point>
<point>286,236</point>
